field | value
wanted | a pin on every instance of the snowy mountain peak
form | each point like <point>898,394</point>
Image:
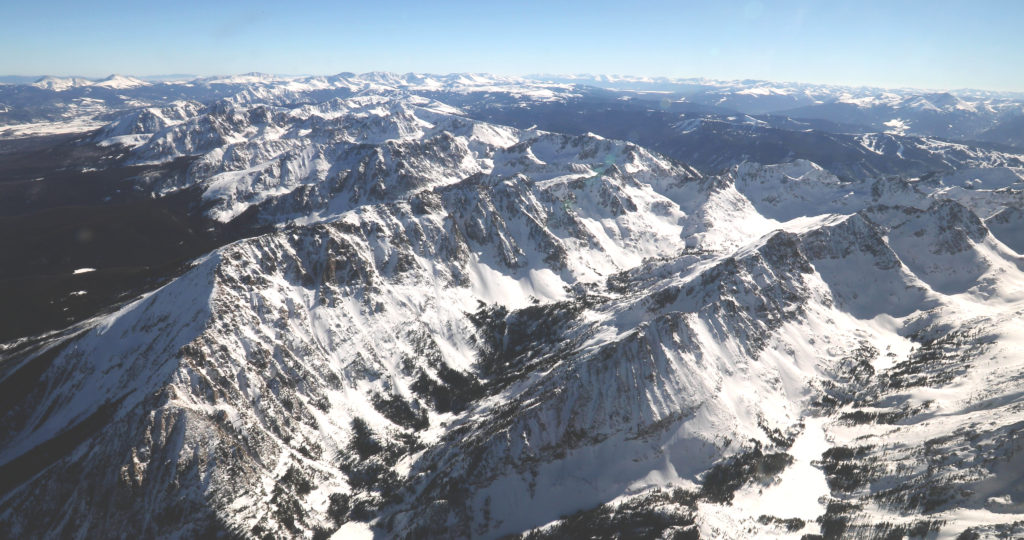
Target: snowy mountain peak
<point>59,84</point>
<point>120,82</point>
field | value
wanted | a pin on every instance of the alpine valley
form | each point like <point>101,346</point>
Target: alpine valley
<point>467,306</point>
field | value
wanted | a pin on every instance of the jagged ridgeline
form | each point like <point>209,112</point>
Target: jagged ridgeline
<point>404,306</point>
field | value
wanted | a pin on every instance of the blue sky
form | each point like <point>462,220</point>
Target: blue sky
<point>933,44</point>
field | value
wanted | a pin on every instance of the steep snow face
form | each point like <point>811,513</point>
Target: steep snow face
<point>949,248</point>
<point>1008,226</point>
<point>790,190</point>
<point>171,314</point>
<point>452,328</point>
<point>866,277</point>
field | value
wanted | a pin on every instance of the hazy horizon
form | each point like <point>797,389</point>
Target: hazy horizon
<point>652,79</point>
<point>912,44</point>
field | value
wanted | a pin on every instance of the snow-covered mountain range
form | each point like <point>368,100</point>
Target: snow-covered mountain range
<point>468,306</point>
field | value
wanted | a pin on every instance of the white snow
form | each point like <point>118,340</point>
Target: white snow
<point>354,530</point>
<point>897,126</point>
<point>801,488</point>
<point>74,125</point>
